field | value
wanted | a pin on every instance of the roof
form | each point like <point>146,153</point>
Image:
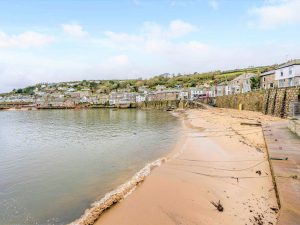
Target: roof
<point>267,73</point>
<point>290,63</point>
<point>223,83</point>
<point>244,76</point>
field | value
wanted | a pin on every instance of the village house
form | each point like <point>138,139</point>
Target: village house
<point>150,97</point>
<point>166,95</point>
<point>103,99</point>
<point>160,87</point>
<point>212,92</point>
<point>18,98</point>
<point>41,102</point>
<point>267,79</point>
<point>183,95</point>
<point>93,99</point>
<point>241,84</point>
<point>56,101</point>
<point>79,94</point>
<point>122,98</point>
<point>288,74</point>
<point>143,89</point>
<point>62,88</point>
<point>69,103</point>
<point>140,98</point>
<point>85,99</point>
<point>195,93</point>
<point>222,89</point>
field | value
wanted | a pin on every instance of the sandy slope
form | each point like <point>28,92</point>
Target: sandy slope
<point>216,150</point>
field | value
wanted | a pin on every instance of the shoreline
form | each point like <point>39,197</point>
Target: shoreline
<point>120,193</point>
<point>182,189</point>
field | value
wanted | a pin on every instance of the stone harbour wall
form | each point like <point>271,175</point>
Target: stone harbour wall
<point>252,101</point>
<point>159,104</point>
<point>274,102</point>
<point>168,104</point>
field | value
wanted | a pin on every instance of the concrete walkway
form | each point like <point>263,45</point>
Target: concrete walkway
<point>282,143</point>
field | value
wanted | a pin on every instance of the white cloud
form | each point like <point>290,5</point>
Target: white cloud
<point>24,40</point>
<point>179,28</point>
<point>214,4</point>
<point>74,30</point>
<point>276,13</point>
<point>155,49</point>
<point>155,57</point>
<point>149,31</point>
<point>119,60</point>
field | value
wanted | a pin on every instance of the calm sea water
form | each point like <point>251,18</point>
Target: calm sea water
<point>55,163</point>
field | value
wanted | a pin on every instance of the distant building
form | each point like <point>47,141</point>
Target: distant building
<point>143,89</point>
<point>150,97</point>
<point>221,89</point>
<point>103,99</point>
<point>183,95</point>
<point>116,98</point>
<point>212,92</point>
<point>140,98</point>
<point>241,84</point>
<point>288,74</point>
<point>196,92</point>
<point>166,95</point>
<point>267,80</point>
<point>160,87</point>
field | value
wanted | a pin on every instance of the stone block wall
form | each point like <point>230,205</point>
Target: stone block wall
<point>279,103</point>
<point>252,101</point>
<point>291,95</point>
<point>168,104</point>
<point>272,101</point>
<point>159,104</point>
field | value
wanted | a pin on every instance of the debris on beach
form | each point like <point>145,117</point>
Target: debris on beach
<point>274,209</point>
<point>251,124</point>
<point>258,172</point>
<point>218,206</point>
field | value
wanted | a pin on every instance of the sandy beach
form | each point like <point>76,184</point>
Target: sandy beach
<point>217,159</point>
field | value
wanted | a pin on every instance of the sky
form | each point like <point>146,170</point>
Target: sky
<point>64,40</point>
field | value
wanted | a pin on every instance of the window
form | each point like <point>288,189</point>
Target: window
<point>264,79</point>
<point>290,70</point>
<point>281,73</point>
<point>271,85</point>
<point>281,83</point>
<point>290,82</point>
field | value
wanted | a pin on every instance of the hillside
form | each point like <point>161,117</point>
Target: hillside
<point>170,81</point>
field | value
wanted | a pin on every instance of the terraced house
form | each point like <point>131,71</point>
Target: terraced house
<point>267,80</point>
<point>288,74</point>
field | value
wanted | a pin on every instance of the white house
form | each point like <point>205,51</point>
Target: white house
<point>194,93</point>
<point>183,95</point>
<point>288,74</point>
<point>221,89</point>
<point>241,84</point>
<point>212,92</point>
<point>140,98</point>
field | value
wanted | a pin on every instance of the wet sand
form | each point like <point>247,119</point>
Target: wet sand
<point>218,159</point>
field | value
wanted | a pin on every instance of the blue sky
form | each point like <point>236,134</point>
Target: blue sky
<point>60,40</point>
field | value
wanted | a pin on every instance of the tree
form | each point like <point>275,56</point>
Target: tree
<point>255,82</point>
<point>93,86</point>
